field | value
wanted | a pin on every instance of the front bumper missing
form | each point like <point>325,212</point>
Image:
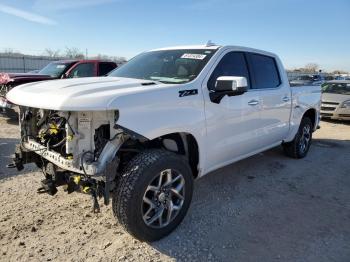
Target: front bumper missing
<point>52,156</point>
<point>97,187</point>
<point>99,170</point>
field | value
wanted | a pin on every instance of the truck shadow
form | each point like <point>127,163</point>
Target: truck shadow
<point>7,148</point>
<point>263,208</point>
<point>10,118</point>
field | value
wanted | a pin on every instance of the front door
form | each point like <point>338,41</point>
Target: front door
<point>232,123</point>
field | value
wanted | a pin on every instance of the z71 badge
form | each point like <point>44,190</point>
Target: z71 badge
<point>190,92</point>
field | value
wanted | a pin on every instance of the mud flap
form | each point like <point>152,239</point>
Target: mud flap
<point>110,175</point>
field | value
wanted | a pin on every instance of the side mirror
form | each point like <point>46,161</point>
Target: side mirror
<point>231,84</point>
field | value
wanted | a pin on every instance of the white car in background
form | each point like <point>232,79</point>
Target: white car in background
<point>165,118</point>
<point>336,100</point>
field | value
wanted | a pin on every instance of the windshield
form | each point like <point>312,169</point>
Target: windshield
<point>55,69</point>
<point>336,88</point>
<point>166,66</point>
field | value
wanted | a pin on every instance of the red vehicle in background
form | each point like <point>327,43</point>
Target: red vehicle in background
<point>55,70</point>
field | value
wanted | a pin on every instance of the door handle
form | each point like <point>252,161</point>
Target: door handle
<point>253,102</point>
<point>285,99</point>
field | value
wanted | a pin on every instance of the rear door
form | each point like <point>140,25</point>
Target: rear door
<point>275,98</point>
<point>83,69</point>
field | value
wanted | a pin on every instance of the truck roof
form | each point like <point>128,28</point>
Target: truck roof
<point>81,60</point>
<point>215,47</point>
<point>210,47</point>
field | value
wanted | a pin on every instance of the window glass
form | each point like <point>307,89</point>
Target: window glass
<point>264,70</point>
<point>232,64</point>
<point>104,68</point>
<point>55,69</point>
<point>82,70</point>
<point>167,66</point>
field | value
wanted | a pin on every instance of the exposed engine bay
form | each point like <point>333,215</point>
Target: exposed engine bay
<point>82,151</point>
<point>75,149</point>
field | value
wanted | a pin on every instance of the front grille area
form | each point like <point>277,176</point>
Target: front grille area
<point>328,106</point>
<point>329,103</point>
<point>323,108</point>
<point>326,114</point>
<point>344,115</point>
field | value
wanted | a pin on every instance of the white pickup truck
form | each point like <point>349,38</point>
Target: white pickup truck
<point>165,118</point>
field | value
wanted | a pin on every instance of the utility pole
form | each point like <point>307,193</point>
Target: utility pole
<point>86,53</point>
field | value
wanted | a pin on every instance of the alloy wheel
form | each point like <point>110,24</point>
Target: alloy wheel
<point>163,198</point>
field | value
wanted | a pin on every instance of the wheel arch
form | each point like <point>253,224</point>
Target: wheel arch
<point>312,115</point>
<point>182,143</point>
<point>296,118</point>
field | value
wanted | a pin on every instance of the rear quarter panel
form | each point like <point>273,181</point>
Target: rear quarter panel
<point>303,99</point>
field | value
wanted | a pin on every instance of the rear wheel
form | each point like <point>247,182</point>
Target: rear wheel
<point>153,194</point>
<point>299,147</point>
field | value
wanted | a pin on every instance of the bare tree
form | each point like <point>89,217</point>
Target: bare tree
<point>102,57</point>
<point>8,51</point>
<point>73,52</point>
<point>118,59</point>
<point>51,52</point>
<point>311,68</point>
<point>338,72</point>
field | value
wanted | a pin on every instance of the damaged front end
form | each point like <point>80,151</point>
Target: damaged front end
<point>5,86</point>
<point>77,150</point>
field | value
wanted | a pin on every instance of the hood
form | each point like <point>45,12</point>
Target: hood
<point>89,93</point>
<point>337,98</point>
<point>22,77</point>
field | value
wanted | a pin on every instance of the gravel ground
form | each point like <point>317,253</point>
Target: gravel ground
<point>265,208</point>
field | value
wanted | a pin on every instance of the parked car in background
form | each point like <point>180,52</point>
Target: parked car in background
<point>54,70</point>
<point>166,117</point>
<point>316,79</point>
<point>336,100</point>
<point>302,80</point>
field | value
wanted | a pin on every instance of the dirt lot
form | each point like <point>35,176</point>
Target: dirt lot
<point>265,208</point>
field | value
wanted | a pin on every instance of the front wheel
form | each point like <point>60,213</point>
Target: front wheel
<point>299,147</point>
<point>153,194</point>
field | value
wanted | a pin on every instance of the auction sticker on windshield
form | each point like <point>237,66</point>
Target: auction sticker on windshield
<point>194,56</point>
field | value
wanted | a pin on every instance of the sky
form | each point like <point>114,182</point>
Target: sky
<point>299,31</point>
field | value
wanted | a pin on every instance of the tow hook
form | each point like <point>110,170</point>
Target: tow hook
<point>17,162</point>
<point>48,186</point>
<point>12,165</point>
<point>22,157</point>
<point>52,180</point>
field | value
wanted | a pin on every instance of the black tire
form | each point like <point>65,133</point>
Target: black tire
<point>134,181</point>
<point>294,149</point>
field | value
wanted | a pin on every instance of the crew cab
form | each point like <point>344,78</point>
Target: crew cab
<point>143,134</point>
<point>54,70</point>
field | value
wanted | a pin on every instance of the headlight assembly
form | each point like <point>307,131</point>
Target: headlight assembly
<point>345,104</point>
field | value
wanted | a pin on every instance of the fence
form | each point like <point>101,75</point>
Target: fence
<point>18,63</point>
<point>23,63</point>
